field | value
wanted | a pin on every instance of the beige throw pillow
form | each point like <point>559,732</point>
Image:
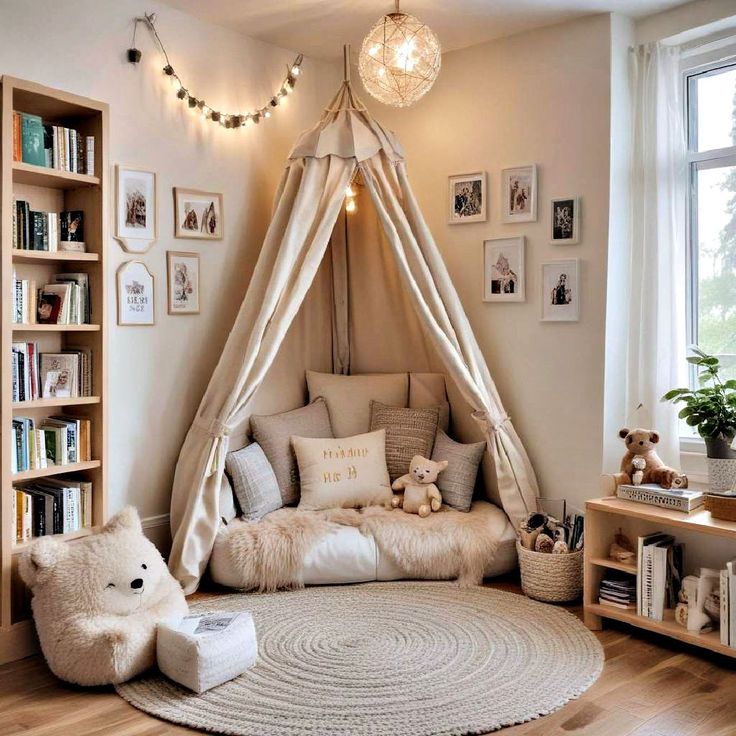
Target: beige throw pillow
<point>409,432</point>
<point>349,397</point>
<point>457,481</point>
<point>343,473</point>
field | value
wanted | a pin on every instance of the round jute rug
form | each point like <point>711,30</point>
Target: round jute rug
<point>400,659</point>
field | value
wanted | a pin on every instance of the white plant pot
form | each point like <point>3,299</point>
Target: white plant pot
<point>721,474</point>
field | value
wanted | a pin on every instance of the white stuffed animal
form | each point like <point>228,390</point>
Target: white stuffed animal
<point>639,464</point>
<point>97,601</point>
<point>421,495</point>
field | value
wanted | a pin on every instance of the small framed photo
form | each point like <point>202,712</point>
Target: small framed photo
<point>197,214</point>
<point>135,209</point>
<point>561,291</point>
<point>183,282</point>
<point>135,294</point>
<point>565,221</point>
<point>467,198</point>
<point>503,270</point>
<point>519,194</point>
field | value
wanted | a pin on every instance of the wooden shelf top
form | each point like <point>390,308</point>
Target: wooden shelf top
<point>55,328</point>
<point>668,627</point>
<point>697,521</point>
<point>629,567</point>
<point>43,176</point>
<point>18,547</point>
<point>43,256</point>
<point>55,470</point>
<point>48,403</point>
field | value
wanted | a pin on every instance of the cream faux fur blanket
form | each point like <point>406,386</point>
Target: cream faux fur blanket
<point>446,545</point>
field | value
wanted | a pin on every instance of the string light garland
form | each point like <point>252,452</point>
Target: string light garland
<point>225,119</point>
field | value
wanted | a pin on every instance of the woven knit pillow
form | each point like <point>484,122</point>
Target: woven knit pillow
<point>409,432</point>
<point>273,433</point>
<point>457,481</point>
<point>254,482</point>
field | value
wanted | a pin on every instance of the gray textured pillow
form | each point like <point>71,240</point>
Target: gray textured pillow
<point>409,432</point>
<point>254,482</point>
<point>457,481</point>
<point>273,433</point>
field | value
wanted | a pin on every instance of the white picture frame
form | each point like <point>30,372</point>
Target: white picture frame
<point>467,198</point>
<point>182,282</point>
<point>504,278</point>
<point>136,294</point>
<point>136,215</point>
<point>565,221</point>
<point>519,194</point>
<point>561,290</point>
<point>198,215</point>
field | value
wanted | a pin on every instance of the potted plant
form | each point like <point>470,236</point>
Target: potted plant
<point>711,409</point>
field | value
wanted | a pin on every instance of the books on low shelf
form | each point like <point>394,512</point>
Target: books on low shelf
<point>52,146</point>
<point>678,499</point>
<point>56,440</point>
<point>64,374</point>
<point>51,506</point>
<point>618,590</point>
<point>659,574</point>
<point>64,301</point>
<point>47,231</point>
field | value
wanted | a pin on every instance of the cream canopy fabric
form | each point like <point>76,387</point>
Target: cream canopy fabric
<point>309,203</point>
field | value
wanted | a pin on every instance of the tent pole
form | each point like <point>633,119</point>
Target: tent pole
<point>346,62</point>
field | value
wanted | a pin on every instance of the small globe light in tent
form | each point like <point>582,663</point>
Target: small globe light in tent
<point>400,59</point>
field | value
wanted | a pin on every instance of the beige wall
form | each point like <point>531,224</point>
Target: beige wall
<point>540,97</point>
<point>157,374</point>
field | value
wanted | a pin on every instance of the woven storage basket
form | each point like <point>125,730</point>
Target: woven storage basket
<point>551,578</point>
<point>721,507</point>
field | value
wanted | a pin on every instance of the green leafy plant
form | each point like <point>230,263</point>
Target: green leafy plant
<point>712,408</point>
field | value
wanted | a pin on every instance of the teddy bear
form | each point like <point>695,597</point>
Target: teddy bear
<point>640,447</point>
<point>97,601</point>
<point>421,495</point>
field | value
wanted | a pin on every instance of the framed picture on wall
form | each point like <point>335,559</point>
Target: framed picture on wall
<point>197,214</point>
<point>467,201</point>
<point>503,270</point>
<point>135,294</point>
<point>135,209</point>
<point>519,194</point>
<point>182,271</point>
<point>565,224</point>
<point>561,291</point>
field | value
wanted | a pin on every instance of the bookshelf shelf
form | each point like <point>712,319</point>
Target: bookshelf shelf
<point>603,518</point>
<point>56,328</point>
<point>42,256</point>
<point>41,176</point>
<point>49,190</point>
<point>20,406</point>
<point>19,547</point>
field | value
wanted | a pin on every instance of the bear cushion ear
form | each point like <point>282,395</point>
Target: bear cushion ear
<point>41,557</point>
<point>654,437</point>
<point>623,432</point>
<point>126,519</point>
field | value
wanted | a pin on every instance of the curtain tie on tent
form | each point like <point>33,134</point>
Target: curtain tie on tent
<point>216,430</point>
<point>482,416</point>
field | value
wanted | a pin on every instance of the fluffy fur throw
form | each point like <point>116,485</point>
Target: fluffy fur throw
<point>446,545</point>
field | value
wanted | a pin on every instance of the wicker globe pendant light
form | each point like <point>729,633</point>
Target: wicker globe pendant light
<point>400,59</point>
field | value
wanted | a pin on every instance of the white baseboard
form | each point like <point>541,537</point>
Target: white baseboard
<point>152,521</point>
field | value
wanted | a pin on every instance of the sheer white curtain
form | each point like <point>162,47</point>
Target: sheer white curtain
<point>655,340</point>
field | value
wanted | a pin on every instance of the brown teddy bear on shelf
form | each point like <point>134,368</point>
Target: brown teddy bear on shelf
<point>640,446</point>
<point>421,495</point>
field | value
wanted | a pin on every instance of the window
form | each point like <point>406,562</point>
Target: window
<point>711,125</point>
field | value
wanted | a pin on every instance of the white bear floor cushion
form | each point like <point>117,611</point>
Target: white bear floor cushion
<point>97,601</point>
<point>290,548</point>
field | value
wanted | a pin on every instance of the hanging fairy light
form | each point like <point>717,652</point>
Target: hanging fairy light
<point>197,104</point>
<point>400,59</point>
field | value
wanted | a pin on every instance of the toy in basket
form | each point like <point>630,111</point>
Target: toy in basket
<point>551,556</point>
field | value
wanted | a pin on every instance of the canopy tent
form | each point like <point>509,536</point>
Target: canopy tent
<point>417,324</point>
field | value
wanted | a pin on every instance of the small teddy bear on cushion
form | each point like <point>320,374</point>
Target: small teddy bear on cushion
<point>97,601</point>
<point>421,495</point>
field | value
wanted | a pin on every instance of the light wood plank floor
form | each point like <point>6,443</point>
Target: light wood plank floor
<point>649,687</point>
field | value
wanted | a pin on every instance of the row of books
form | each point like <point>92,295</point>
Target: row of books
<point>47,231</point>
<point>618,590</point>
<point>65,301</point>
<point>727,591</point>
<point>51,506</point>
<point>53,146</point>
<point>659,574</point>
<point>67,374</point>
<point>56,440</point>
<point>677,499</point>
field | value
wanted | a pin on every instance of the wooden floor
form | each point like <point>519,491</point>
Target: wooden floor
<point>649,687</point>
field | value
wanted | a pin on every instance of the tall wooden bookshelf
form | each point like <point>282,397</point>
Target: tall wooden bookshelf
<point>49,190</point>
